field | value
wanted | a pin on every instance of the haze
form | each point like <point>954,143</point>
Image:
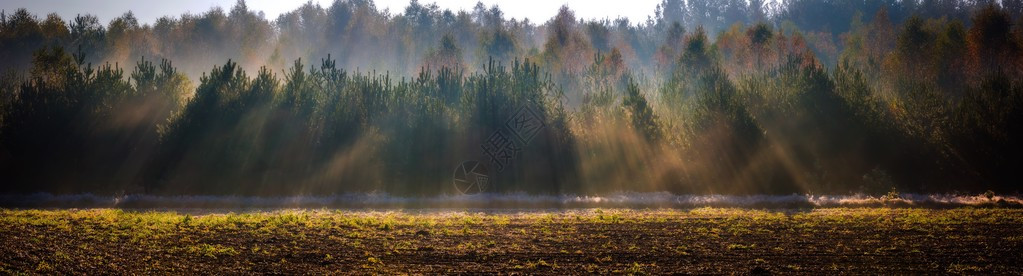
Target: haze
<point>148,11</point>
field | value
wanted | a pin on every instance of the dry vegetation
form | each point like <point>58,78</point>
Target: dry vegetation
<point>867,240</point>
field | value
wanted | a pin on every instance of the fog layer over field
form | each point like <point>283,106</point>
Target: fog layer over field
<point>499,202</point>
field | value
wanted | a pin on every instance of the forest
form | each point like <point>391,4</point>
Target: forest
<point>704,97</point>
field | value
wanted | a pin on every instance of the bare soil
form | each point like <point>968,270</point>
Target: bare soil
<point>703,241</point>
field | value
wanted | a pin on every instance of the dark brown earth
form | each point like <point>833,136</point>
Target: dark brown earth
<point>715,241</point>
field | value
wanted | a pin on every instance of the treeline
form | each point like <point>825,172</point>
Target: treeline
<point>360,35</point>
<point>926,102</point>
<point>71,128</point>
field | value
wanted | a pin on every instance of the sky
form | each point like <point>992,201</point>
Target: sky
<point>148,11</point>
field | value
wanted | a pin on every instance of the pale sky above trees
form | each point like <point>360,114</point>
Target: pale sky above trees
<point>148,11</point>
